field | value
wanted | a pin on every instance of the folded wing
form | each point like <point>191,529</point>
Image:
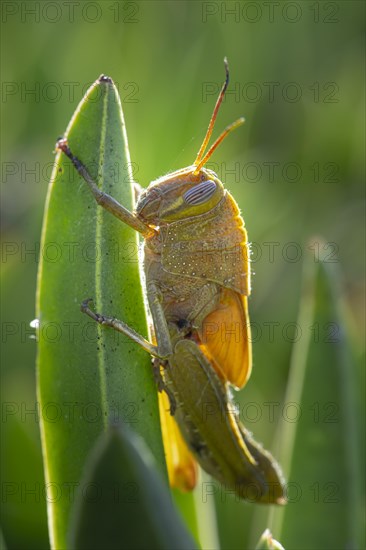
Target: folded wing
<point>225,338</point>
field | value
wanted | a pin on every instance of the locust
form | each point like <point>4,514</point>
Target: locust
<point>197,272</point>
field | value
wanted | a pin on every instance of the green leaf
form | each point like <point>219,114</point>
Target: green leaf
<point>319,442</point>
<point>2,541</point>
<point>199,514</point>
<point>267,542</point>
<point>185,503</point>
<point>88,376</point>
<point>128,505</point>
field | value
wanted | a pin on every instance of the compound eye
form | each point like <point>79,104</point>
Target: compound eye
<point>200,193</point>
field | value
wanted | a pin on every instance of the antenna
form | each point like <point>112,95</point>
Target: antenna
<point>221,137</point>
<point>202,158</point>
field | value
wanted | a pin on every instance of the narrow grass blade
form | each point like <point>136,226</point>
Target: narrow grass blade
<point>319,447</point>
<point>267,542</point>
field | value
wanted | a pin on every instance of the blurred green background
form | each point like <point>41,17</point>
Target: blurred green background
<point>296,169</point>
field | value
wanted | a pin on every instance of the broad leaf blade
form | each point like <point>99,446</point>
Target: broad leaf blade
<point>89,377</point>
<point>128,506</point>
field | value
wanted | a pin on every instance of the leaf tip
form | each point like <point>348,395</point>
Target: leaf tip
<point>106,79</point>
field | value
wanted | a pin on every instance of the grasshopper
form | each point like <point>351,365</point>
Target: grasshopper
<point>196,265</point>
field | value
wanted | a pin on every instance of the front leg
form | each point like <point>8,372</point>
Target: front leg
<point>163,349</point>
<point>120,326</point>
<point>163,386</point>
<point>161,329</point>
<point>103,199</point>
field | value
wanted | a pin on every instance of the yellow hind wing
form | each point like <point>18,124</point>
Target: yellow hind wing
<point>225,338</point>
<point>181,465</point>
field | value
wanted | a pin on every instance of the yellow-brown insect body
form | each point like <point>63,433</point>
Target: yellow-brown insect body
<point>197,275</point>
<point>197,261</point>
<point>196,252</point>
